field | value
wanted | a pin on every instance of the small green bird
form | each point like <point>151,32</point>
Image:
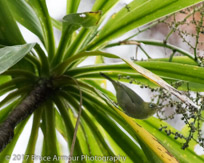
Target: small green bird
<point>132,104</point>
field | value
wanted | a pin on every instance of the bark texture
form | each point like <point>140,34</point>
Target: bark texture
<point>41,92</point>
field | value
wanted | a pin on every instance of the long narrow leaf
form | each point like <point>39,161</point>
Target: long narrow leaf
<point>86,35</point>
<point>10,55</point>
<point>174,146</point>
<point>25,15</point>
<point>141,12</point>
<point>145,138</point>
<point>40,8</point>
<point>71,23</point>
<point>113,130</point>
<point>34,135</point>
<point>72,6</point>
<point>9,31</point>
<point>50,132</point>
<point>100,140</point>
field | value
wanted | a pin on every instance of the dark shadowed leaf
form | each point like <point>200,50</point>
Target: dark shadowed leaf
<point>9,31</point>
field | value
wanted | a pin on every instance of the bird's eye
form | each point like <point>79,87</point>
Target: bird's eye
<point>151,105</point>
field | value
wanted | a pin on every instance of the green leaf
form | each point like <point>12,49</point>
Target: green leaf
<point>9,31</point>
<point>104,5</point>
<point>45,67</point>
<point>1,46</point>
<point>61,68</point>
<point>11,84</point>
<point>72,6</point>
<point>16,93</point>
<point>4,79</point>
<point>57,24</point>
<point>71,23</point>
<point>33,136</point>
<point>50,138</point>
<point>91,140</point>
<point>25,15</point>
<point>174,146</point>
<point>98,141</point>
<point>86,35</point>
<point>20,73</point>
<point>6,110</point>
<point>40,8</point>
<point>150,145</point>
<point>177,59</point>
<point>169,71</point>
<point>80,135</point>
<point>155,43</point>
<point>26,64</point>
<point>97,109</point>
<point>68,124</point>
<point>10,55</point>
<point>141,12</point>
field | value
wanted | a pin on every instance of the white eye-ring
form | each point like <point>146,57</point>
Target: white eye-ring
<point>151,105</point>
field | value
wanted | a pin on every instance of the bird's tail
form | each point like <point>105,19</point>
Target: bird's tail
<point>107,77</point>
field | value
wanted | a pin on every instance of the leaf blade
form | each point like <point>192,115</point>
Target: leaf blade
<point>9,56</point>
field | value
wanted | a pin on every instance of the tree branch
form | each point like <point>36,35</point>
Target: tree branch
<point>37,96</point>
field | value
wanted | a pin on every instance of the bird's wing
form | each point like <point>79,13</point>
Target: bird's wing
<point>133,95</point>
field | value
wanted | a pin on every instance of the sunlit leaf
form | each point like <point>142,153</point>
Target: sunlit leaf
<point>72,6</point>
<point>174,146</point>
<point>140,12</point>
<point>10,55</point>
<point>41,10</point>
<point>70,24</point>
<point>24,14</point>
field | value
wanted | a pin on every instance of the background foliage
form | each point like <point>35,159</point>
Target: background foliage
<point>79,96</point>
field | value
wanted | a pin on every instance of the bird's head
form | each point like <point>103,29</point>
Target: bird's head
<point>153,107</point>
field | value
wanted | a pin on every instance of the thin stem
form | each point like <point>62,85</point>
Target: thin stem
<point>78,121</point>
<point>172,55</point>
<point>153,43</point>
<point>65,116</point>
<point>180,23</point>
<point>146,28</point>
<point>198,29</point>
<point>144,52</point>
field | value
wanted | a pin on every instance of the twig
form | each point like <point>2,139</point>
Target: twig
<point>147,55</point>
<point>144,29</point>
<point>152,43</point>
<point>172,55</point>
<point>77,123</point>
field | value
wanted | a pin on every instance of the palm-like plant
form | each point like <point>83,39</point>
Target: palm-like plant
<point>49,81</point>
